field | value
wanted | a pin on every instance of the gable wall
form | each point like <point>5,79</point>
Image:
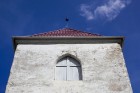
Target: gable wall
<point>103,69</point>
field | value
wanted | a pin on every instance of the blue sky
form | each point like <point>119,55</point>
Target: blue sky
<point>105,17</point>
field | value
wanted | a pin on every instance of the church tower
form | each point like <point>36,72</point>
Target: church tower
<point>68,61</point>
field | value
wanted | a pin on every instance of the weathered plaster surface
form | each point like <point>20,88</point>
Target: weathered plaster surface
<point>103,69</point>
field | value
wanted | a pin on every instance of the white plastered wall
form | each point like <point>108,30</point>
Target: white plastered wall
<point>103,69</point>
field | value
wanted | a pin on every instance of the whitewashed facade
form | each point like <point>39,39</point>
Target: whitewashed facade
<point>68,65</point>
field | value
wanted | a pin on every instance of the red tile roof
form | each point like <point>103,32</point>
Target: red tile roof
<point>66,32</point>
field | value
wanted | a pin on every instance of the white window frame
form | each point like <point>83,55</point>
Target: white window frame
<point>71,71</point>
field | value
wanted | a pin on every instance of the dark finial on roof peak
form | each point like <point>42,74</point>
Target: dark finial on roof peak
<point>67,22</point>
<point>66,19</point>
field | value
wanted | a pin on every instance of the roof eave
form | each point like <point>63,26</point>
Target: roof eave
<point>60,39</point>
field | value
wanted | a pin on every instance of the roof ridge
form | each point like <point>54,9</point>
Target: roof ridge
<point>66,32</point>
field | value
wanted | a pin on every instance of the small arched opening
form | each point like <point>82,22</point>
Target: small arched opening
<point>67,68</point>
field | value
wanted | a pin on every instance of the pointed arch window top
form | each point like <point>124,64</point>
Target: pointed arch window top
<point>68,69</point>
<point>68,61</point>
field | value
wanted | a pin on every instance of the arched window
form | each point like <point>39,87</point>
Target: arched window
<point>68,69</point>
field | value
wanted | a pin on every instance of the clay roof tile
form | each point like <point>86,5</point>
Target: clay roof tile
<point>67,32</point>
